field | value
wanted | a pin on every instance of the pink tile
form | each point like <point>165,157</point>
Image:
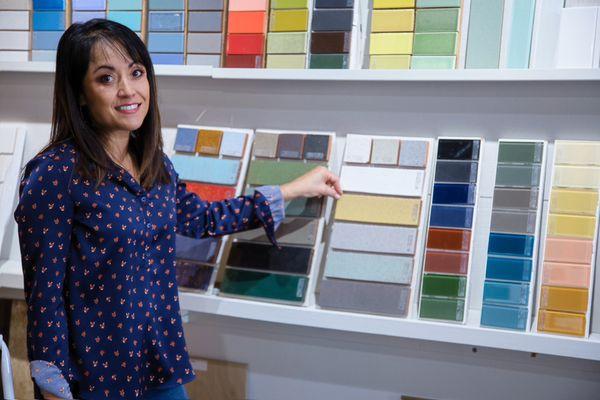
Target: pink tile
<point>567,275</point>
<point>568,250</point>
<point>248,5</point>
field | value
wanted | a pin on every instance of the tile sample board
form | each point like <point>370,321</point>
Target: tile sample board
<point>14,33</point>
<point>509,286</point>
<point>205,32</point>
<point>377,234</point>
<point>212,161</point>
<point>445,278</point>
<point>287,40</point>
<point>331,33</point>
<point>565,285</point>
<point>246,33</point>
<point>256,269</point>
<point>166,37</point>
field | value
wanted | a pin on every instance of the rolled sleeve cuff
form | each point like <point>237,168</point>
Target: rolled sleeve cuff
<point>50,379</point>
<point>277,205</point>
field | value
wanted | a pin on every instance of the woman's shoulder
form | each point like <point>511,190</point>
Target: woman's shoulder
<point>57,161</point>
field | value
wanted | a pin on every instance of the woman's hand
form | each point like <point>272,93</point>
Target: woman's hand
<point>318,182</point>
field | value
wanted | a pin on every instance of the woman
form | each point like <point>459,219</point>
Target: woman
<point>98,212</point>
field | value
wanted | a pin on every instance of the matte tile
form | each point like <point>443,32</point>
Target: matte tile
<point>245,43</point>
<point>266,257</point>
<point>520,152</point>
<point>243,61</point>
<point>328,61</point>
<point>435,44</point>
<point>438,3</point>
<point>358,149</point>
<point>89,5</point>
<point>577,177</point>
<point>209,141</point>
<point>573,226</point>
<point>514,222</point>
<point>444,285</point>
<point>165,42</point>
<point>442,309</point>
<point>288,20</point>
<point>205,5</point>
<point>577,152</point>
<point>316,147</point>
<point>166,21</point>
<point>14,20</point>
<point>513,198</point>
<point>510,245</point>
<point>504,317</point>
<point>437,20</point>
<point>454,193</point>
<point>366,297</point>
<point>334,3</point>
<point>271,172</point>
<point>451,216</point>
<point>485,34</point>
<point>443,262</point>
<point>379,180</point>
<point>393,4</point>
<point>44,40</point>
<point>210,192</point>
<point>508,269</point>
<point>251,284</point>
<point>286,42</point>
<point>378,210</point>
<point>167,58</point>
<point>84,16</point>
<point>127,5</point>
<point>458,149</point>
<point>290,146</point>
<point>265,145</point>
<point>206,169</point>
<point>566,275</point>
<point>49,5</point>
<point>506,293</point>
<point>193,275</point>
<point>413,153</point>
<point>248,5</point>
<point>456,171</point>
<point>394,20</point>
<point>294,61</point>
<point>204,43</point>
<point>391,43</point>
<point>373,238</point>
<point>433,62</point>
<point>369,267</point>
<point>564,299</point>
<point>560,322</point>
<point>566,201</point>
<point>233,144</point>
<point>279,4</point>
<point>132,20</point>
<point>213,60</point>
<point>518,175</point>
<point>48,20</point>
<point>330,42</point>
<point>205,21</point>
<point>43,55</point>
<point>246,22</point>
<point>295,231</point>
<point>166,4</point>
<point>332,20</point>
<point>568,250</point>
<point>200,250</point>
<point>390,61</point>
<point>385,151</point>
<point>449,239</point>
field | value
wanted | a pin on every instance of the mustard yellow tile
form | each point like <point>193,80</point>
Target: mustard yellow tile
<point>564,299</point>
<point>571,226</point>
<point>577,177</point>
<point>560,322</point>
<point>288,20</point>
<point>569,201</point>
<point>577,152</point>
<point>378,210</point>
<point>393,21</point>
<point>389,62</point>
<point>391,43</point>
<point>393,3</point>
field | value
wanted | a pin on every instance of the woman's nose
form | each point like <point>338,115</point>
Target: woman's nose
<point>125,88</point>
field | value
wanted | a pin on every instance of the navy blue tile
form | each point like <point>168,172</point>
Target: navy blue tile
<point>449,193</point>
<point>511,245</point>
<point>451,216</point>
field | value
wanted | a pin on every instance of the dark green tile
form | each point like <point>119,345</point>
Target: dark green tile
<point>444,309</point>
<point>329,61</point>
<point>444,285</point>
<point>287,288</point>
<point>520,152</point>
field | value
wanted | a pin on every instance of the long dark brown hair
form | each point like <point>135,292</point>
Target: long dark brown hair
<point>70,121</point>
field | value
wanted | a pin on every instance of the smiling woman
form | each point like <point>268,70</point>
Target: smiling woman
<point>98,211</point>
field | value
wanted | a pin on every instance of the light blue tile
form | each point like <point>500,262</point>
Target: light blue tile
<point>165,21</point>
<point>45,40</point>
<point>89,5</point>
<point>131,19</point>
<point>506,293</point>
<point>159,42</point>
<point>369,267</point>
<point>206,169</point>
<point>519,42</point>
<point>504,316</point>
<point>49,5</point>
<point>167,58</point>
<point>233,144</point>
<point>166,4</point>
<point>43,55</point>
<point>83,16</point>
<point>48,20</point>
<point>122,5</point>
<point>484,35</point>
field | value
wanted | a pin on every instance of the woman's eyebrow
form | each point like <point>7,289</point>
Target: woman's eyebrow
<point>113,68</point>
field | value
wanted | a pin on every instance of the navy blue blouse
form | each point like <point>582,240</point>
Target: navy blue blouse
<point>99,272</point>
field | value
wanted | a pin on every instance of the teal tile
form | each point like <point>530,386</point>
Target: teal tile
<point>124,5</point>
<point>131,19</point>
<point>432,62</point>
<point>519,42</point>
<point>166,4</point>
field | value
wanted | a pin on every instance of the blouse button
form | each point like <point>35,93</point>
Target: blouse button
<point>143,199</point>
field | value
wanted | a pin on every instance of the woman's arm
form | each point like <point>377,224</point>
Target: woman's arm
<point>45,216</point>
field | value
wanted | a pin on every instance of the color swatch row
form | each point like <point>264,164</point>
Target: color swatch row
<point>514,235</point>
<point>257,270</point>
<point>331,34</point>
<point>564,294</point>
<point>376,237</point>
<point>445,279</point>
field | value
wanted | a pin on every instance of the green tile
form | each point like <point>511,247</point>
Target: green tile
<point>437,20</point>
<point>289,3</point>
<point>433,62</point>
<point>286,43</point>
<point>437,3</point>
<point>435,44</point>
<point>520,152</point>
<point>444,285</point>
<point>271,172</point>
<point>289,288</point>
<point>445,309</point>
<point>328,61</point>
<point>518,175</point>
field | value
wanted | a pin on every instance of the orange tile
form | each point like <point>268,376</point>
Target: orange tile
<point>209,142</point>
<point>247,22</point>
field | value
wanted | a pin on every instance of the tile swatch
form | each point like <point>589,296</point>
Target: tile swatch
<point>245,42</point>
<point>330,36</point>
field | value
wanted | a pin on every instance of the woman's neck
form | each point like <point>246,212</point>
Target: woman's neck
<point>117,145</point>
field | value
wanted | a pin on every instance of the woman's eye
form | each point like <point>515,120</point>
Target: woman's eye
<point>106,79</point>
<point>138,73</point>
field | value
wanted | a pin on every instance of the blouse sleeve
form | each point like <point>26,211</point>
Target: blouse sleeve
<point>45,216</point>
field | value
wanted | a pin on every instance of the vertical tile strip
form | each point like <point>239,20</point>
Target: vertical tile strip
<point>245,48</point>
<point>331,31</point>
<point>288,31</point>
<point>15,33</point>
<point>166,37</point>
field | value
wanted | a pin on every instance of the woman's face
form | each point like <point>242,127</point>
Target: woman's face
<point>116,91</point>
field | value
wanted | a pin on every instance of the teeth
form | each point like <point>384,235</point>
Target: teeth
<point>128,108</point>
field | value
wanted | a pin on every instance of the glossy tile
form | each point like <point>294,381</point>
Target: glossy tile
<point>378,210</point>
<point>369,267</point>
<point>266,257</point>
<point>373,238</point>
<point>251,284</point>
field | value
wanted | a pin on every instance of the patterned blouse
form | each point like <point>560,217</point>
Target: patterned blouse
<point>99,274</point>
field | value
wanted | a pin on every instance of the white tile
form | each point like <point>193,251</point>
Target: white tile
<point>8,134</point>
<point>545,33</point>
<point>14,40</point>
<point>576,38</point>
<point>358,149</point>
<point>14,4</point>
<point>14,56</point>
<point>14,20</point>
<point>388,181</point>
<point>5,160</point>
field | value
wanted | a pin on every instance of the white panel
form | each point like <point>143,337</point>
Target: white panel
<point>582,3</point>
<point>13,40</point>
<point>545,33</point>
<point>17,20</point>
<point>14,56</point>
<point>8,134</point>
<point>389,181</point>
<point>358,149</point>
<point>576,37</point>
<point>14,5</point>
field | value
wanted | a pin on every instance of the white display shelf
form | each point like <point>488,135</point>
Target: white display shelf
<point>588,349</point>
<point>459,75</point>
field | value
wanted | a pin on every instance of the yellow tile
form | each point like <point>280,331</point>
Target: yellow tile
<point>577,152</point>
<point>389,62</point>
<point>393,21</point>
<point>577,177</point>
<point>570,201</point>
<point>393,3</point>
<point>391,43</point>
<point>574,226</point>
<point>559,322</point>
<point>378,210</point>
<point>286,61</point>
<point>288,20</point>
<point>564,299</point>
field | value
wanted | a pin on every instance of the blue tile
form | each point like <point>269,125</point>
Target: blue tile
<point>504,317</point>
<point>206,169</point>
<point>233,144</point>
<point>131,19</point>
<point>453,193</point>
<point>511,245</point>
<point>124,5</point>
<point>45,40</point>
<point>89,5</point>
<point>49,5</point>
<point>186,140</point>
<point>48,20</point>
<point>506,293</point>
<point>83,16</point>
<point>451,216</point>
<point>509,269</point>
<point>166,4</point>
<point>165,22</point>
<point>159,42</point>
<point>167,58</point>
